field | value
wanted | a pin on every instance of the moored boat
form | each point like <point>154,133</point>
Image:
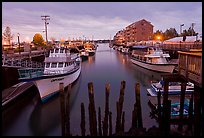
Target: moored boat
<point>174,88</point>
<point>152,58</point>
<point>60,67</point>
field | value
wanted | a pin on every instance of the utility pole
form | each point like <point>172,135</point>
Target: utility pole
<point>19,44</point>
<point>46,17</point>
<point>192,25</point>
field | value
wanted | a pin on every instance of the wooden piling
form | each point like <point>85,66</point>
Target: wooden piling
<point>135,116</point>
<point>67,123</point>
<point>62,105</point>
<point>138,104</point>
<point>110,123</point>
<point>99,122</point>
<point>159,108</point>
<point>83,128</point>
<point>105,126</point>
<point>123,122</point>
<point>197,111</point>
<point>92,111</point>
<point>183,88</point>
<point>190,113</point>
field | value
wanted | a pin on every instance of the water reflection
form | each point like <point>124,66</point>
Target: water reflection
<point>46,117</point>
<point>143,75</point>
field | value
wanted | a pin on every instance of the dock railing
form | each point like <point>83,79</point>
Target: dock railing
<point>190,65</point>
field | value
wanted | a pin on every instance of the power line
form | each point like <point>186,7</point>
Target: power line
<point>46,17</point>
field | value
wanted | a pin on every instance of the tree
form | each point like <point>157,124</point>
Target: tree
<point>38,40</point>
<point>7,36</point>
<point>170,33</point>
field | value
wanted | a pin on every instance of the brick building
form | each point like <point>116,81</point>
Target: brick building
<point>139,31</point>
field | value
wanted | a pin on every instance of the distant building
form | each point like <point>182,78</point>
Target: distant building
<point>139,31</point>
<point>119,38</point>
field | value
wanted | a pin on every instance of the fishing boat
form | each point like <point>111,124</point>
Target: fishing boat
<point>90,48</point>
<point>152,58</point>
<point>60,66</point>
<point>174,88</point>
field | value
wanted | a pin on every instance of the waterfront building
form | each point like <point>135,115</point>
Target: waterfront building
<point>141,30</point>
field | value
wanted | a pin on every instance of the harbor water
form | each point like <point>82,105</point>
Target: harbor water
<point>29,117</point>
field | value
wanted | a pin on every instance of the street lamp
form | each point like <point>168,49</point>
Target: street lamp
<point>19,43</point>
<point>181,28</point>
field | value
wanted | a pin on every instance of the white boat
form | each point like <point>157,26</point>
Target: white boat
<point>152,58</point>
<point>90,48</point>
<point>125,50</point>
<point>60,67</point>
<point>174,88</point>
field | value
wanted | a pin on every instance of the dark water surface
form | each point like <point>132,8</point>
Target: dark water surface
<point>29,117</point>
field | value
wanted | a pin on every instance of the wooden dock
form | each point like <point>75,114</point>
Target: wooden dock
<point>10,94</point>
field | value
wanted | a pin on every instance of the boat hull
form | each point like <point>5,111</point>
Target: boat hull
<point>155,67</point>
<point>47,87</point>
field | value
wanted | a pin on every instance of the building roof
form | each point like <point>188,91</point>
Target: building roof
<point>188,39</point>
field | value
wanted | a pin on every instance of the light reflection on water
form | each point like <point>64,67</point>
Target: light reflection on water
<point>107,66</point>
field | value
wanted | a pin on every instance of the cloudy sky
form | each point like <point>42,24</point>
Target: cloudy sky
<point>97,20</point>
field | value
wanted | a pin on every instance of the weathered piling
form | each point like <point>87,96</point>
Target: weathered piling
<point>99,122</point>
<point>119,105</point>
<point>138,104</point>
<point>159,108</point>
<point>92,111</point>
<point>62,105</point>
<point>123,122</point>
<point>110,123</point>
<point>83,123</point>
<point>190,113</point>
<point>105,122</point>
<point>197,111</point>
<point>134,117</point>
<point>67,120</point>
<point>183,88</point>
<point>166,117</point>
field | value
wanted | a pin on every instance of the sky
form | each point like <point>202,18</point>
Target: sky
<point>95,20</point>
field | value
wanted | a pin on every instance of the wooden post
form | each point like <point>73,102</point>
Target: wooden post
<point>135,117</point>
<point>121,100</point>
<point>99,122</point>
<point>190,113</point>
<point>123,122</point>
<point>83,128</point>
<point>92,111</point>
<point>119,106</point>
<point>167,117</point>
<point>105,126</point>
<point>166,89</point>
<point>68,111</point>
<point>183,88</point>
<point>110,123</point>
<point>164,108</point>
<point>138,104</point>
<point>159,108</point>
<point>62,105</point>
<point>197,111</point>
